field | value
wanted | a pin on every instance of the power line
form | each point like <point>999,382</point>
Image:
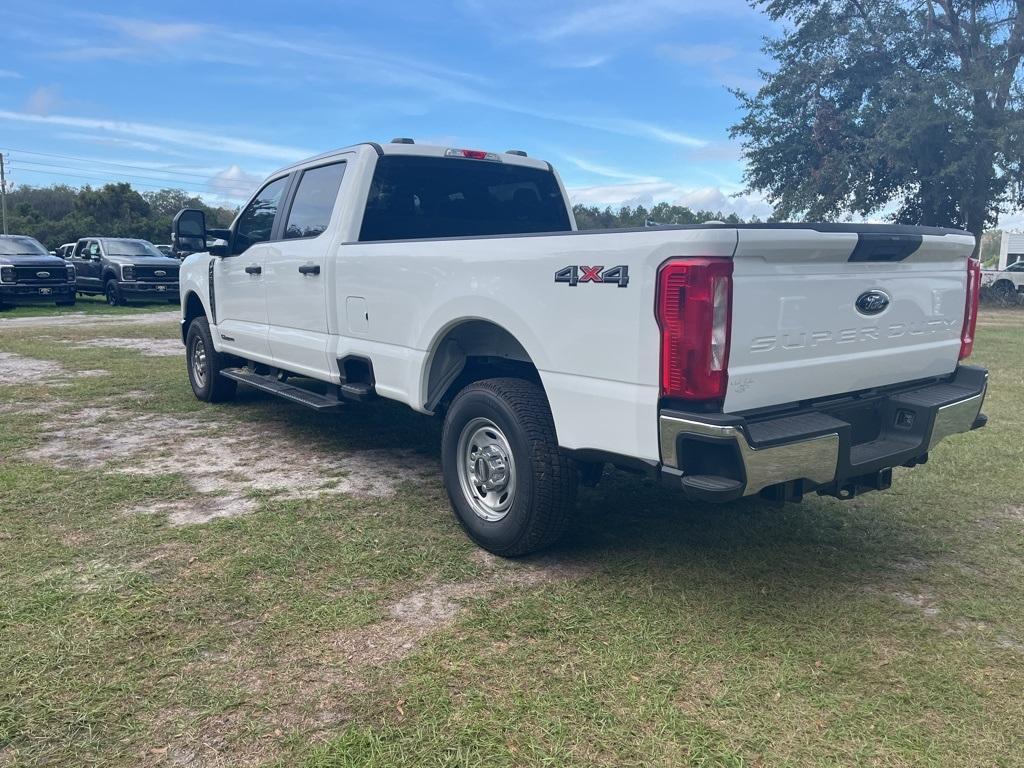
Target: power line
<point>105,162</point>
<point>59,174</point>
<point>240,187</point>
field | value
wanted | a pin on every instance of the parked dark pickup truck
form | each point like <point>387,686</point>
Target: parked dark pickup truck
<point>122,268</point>
<point>29,274</point>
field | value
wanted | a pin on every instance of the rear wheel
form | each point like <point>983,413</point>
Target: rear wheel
<point>511,489</point>
<point>205,364</point>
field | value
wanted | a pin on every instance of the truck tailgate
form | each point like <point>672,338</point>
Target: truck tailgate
<point>797,331</point>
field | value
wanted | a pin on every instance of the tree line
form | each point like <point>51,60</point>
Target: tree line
<point>593,217</point>
<point>62,214</point>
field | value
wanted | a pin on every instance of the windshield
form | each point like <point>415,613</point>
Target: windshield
<point>131,248</point>
<point>16,245</point>
<point>413,197</point>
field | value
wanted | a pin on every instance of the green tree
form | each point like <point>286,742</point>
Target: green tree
<point>592,217</point>
<point>907,108</point>
<point>62,214</point>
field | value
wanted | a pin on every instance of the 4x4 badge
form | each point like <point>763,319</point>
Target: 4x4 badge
<point>574,275</point>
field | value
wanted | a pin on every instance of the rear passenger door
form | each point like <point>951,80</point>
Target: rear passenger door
<point>296,274</point>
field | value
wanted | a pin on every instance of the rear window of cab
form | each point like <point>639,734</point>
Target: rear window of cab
<point>437,197</point>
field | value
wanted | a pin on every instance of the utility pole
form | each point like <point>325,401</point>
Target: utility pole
<point>3,192</point>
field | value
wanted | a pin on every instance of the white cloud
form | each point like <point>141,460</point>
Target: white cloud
<point>581,61</point>
<point>232,183</point>
<point>157,32</point>
<point>92,138</point>
<point>607,171</point>
<point>1013,222</point>
<point>651,193</point>
<point>615,17</point>
<point>9,74</point>
<point>43,100</point>
<point>710,53</point>
<point>185,137</point>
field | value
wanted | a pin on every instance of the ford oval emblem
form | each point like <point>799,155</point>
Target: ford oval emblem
<point>43,275</point>
<point>159,273</point>
<point>872,302</point>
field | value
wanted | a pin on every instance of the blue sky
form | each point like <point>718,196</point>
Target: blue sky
<point>628,98</point>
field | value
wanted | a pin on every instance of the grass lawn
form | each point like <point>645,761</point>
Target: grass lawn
<point>253,584</point>
<point>88,305</point>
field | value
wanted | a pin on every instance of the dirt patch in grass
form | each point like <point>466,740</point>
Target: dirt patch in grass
<point>226,464</point>
<point>308,688</point>
<point>924,602</point>
<point>434,606</point>
<point>80,319</point>
<point>24,408</point>
<point>147,347</point>
<point>17,369</point>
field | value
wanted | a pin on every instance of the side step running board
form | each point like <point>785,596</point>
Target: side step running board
<point>283,389</point>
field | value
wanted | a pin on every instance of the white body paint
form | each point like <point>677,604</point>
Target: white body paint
<point>795,331</point>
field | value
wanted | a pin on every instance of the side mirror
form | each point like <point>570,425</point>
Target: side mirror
<point>189,234</point>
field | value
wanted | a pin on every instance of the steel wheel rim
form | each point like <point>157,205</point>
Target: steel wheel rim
<point>199,362</point>
<point>487,469</point>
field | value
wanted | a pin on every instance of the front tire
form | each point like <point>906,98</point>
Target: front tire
<point>113,294</point>
<point>205,364</point>
<point>1006,292</point>
<point>510,487</point>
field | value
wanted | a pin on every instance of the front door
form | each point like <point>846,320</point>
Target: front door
<point>296,274</point>
<point>241,299</point>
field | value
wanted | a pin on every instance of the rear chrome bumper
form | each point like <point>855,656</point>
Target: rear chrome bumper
<point>839,448</point>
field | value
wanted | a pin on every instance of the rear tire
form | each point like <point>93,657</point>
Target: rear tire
<point>205,364</point>
<point>510,487</point>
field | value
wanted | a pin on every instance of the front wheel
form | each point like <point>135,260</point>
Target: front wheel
<point>510,487</point>
<point>113,294</point>
<point>1006,292</point>
<point>205,364</point>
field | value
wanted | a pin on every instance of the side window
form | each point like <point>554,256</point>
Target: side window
<point>314,201</point>
<point>94,250</point>
<point>257,220</point>
<point>81,249</point>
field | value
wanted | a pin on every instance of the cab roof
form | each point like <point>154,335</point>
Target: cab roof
<point>416,150</point>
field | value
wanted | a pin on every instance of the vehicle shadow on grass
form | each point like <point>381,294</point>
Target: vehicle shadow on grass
<point>642,529</point>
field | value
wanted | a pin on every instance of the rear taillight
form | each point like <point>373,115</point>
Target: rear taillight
<point>693,311</point>
<point>970,308</point>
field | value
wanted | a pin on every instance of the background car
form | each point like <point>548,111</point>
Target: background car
<point>123,269</point>
<point>31,274</point>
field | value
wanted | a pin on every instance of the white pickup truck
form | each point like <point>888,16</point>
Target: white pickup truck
<point>1006,285</point>
<point>726,360</point>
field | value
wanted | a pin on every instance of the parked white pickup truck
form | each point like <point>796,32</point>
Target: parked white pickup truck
<point>1007,285</point>
<point>727,360</point>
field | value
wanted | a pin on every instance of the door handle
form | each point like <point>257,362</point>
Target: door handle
<point>254,269</point>
<point>310,269</point>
